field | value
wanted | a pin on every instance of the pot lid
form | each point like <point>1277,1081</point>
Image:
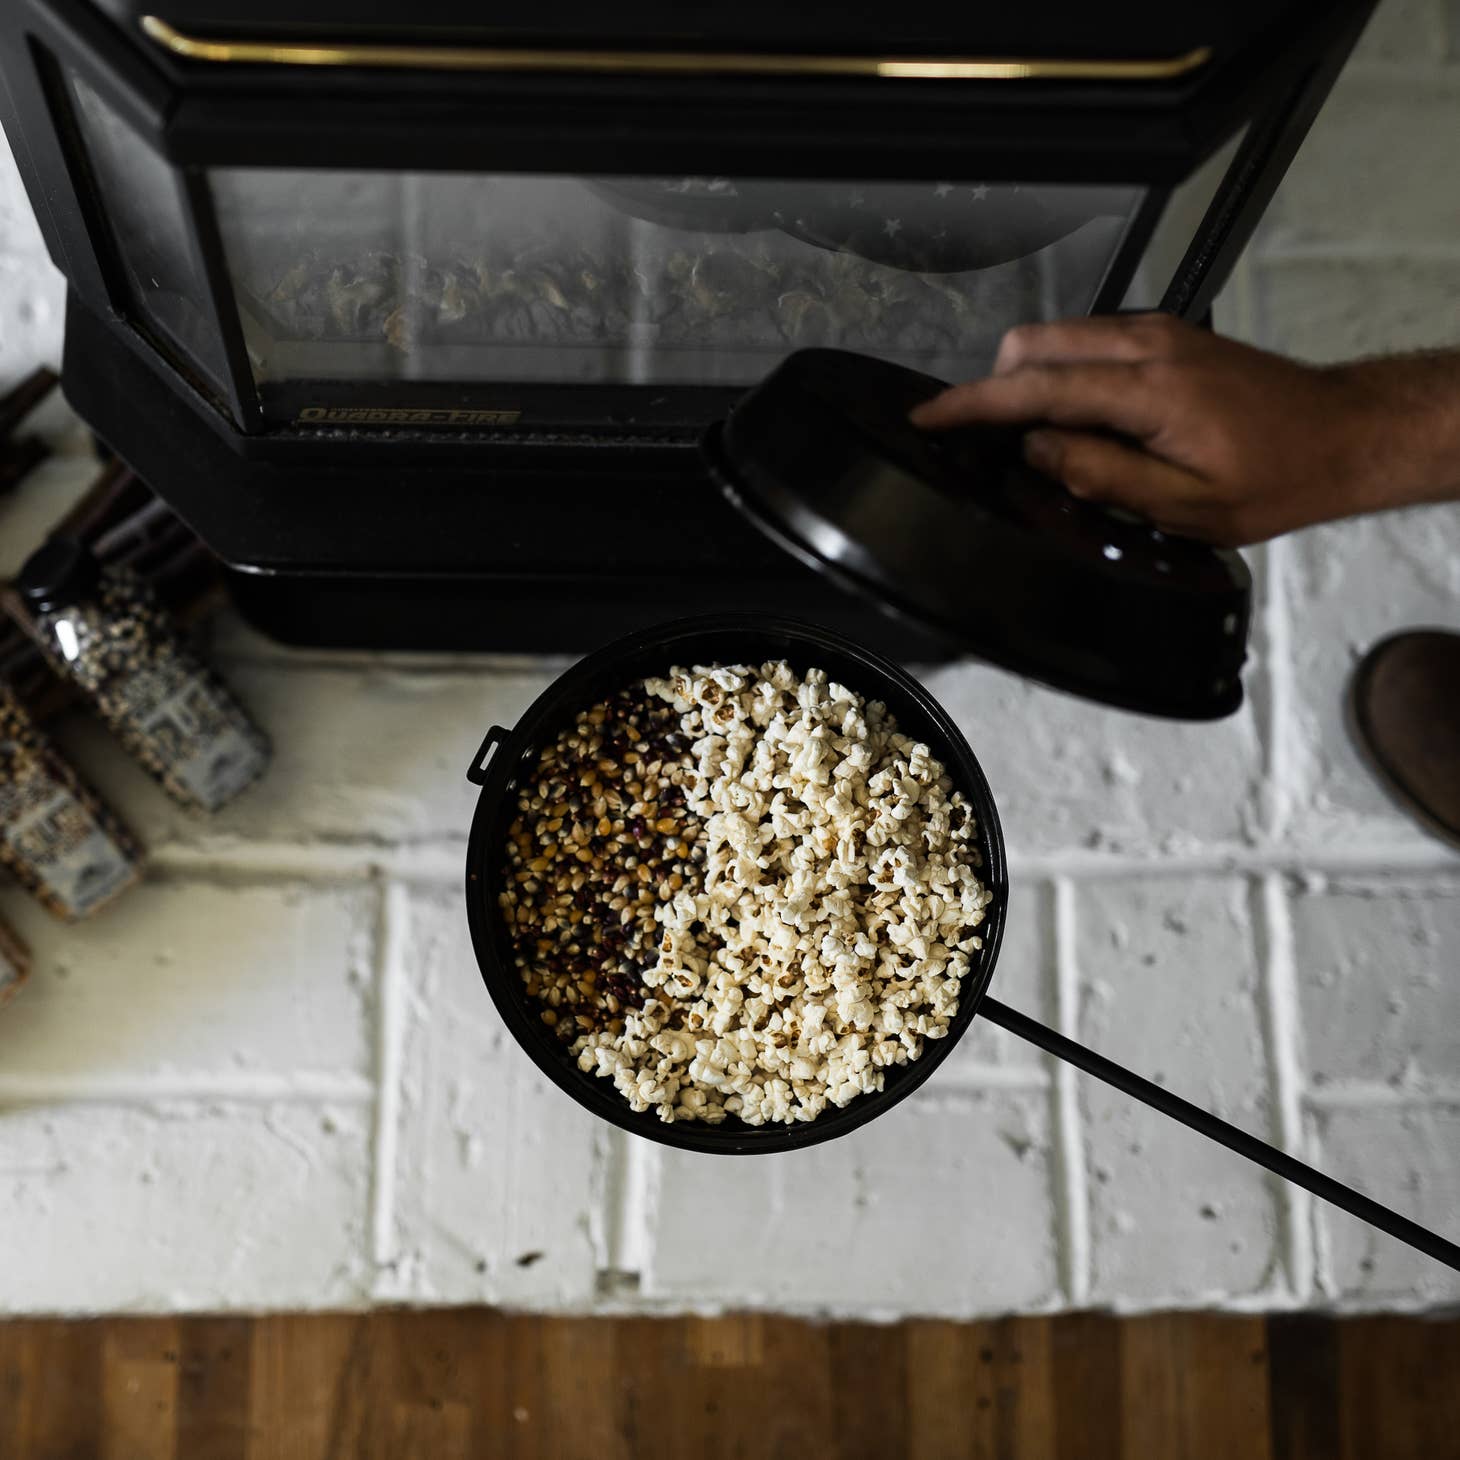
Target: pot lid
<point>957,533</point>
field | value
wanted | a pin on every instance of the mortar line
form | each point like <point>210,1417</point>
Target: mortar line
<point>1277,631</point>
<point>633,1219</point>
<point>301,1087</point>
<point>1276,812</point>
<point>614,1220</point>
<point>1378,1095</point>
<point>1366,859</point>
<point>603,1197</point>
<point>390,944</point>
<point>1240,296</point>
<point>1281,1014</point>
<point>1072,1191</point>
<point>440,862</point>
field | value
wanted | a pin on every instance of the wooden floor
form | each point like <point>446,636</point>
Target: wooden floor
<point>441,1385</point>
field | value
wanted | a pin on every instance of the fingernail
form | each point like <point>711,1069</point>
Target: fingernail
<point>1042,450</point>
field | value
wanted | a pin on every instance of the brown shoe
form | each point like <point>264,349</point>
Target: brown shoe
<point>1404,715</point>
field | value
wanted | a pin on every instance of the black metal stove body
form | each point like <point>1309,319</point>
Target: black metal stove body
<point>418,319</point>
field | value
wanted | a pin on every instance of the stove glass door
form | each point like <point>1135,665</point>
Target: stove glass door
<point>143,200</point>
<point>352,279</point>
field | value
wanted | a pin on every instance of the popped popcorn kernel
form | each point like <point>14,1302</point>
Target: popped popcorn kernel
<point>827,932</point>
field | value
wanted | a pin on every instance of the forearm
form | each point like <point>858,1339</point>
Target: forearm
<point>1404,429</point>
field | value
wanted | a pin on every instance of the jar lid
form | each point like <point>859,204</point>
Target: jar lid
<point>956,532</point>
<point>62,571</point>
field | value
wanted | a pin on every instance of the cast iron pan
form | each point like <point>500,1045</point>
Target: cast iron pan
<point>732,639</point>
<point>506,756</point>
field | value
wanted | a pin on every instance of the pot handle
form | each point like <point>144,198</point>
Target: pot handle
<point>1366,1209</point>
<point>476,772</point>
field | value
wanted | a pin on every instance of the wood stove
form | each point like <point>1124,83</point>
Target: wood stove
<point>417,317</point>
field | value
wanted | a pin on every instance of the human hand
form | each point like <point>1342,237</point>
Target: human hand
<point>1224,441</point>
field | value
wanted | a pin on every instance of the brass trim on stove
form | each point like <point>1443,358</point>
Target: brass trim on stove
<point>665,63</point>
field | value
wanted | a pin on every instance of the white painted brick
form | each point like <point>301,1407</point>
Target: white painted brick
<point>1069,774</point>
<point>1404,30</point>
<point>1023,978</point>
<point>32,291</point>
<point>1337,309</point>
<point>943,1205</point>
<point>1377,972</point>
<point>1168,986</point>
<point>1378,165</point>
<point>1407,1157</point>
<point>1348,585</point>
<point>182,1206</point>
<point>184,981</point>
<point>359,754</point>
<point>495,1163</point>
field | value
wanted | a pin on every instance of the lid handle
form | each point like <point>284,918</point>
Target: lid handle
<point>476,772</point>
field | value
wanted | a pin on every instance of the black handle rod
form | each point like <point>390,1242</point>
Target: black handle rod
<point>1288,1167</point>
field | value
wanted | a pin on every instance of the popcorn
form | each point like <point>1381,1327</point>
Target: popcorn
<point>836,913</point>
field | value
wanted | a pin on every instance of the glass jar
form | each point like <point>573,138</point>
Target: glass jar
<point>58,838</point>
<point>105,631</point>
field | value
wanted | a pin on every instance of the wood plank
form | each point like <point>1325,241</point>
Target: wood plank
<point>63,1418</point>
<point>1086,1355</point>
<point>528,1393</point>
<point>1398,1389</point>
<point>1302,1387</point>
<point>453,1384</point>
<point>1195,1385</point>
<point>940,1388</point>
<point>1024,1399</point>
<point>297,1393</point>
<point>868,1367</point>
<point>214,1363</point>
<point>981,1389</point>
<point>18,1385</point>
<point>583,1417</point>
<point>139,1385</point>
<point>731,1341</point>
<point>1225,1385</point>
<point>435,1431</point>
<point>657,1412</point>
<point>796,1381</point>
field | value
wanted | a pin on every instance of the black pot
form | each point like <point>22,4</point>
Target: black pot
<point>505,755</point>
<point>731,639</point>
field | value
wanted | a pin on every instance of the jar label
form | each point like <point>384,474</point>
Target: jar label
<point>205,745</point>
<point>56,843</point>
